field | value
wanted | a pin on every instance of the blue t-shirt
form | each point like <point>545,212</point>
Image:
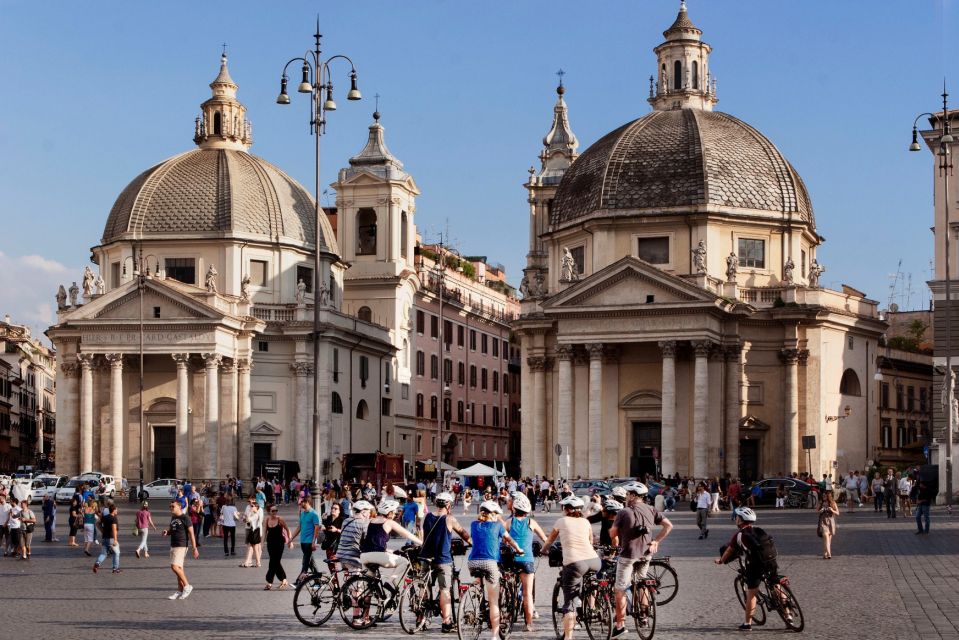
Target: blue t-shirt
<point>486,537</point>
<point>436,539</point>
<point>308,520</point>
<point>521,531</point>
<point>410,510</point>
<point>260,499</point>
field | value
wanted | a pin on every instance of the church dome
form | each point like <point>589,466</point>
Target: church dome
<point>218,190</point>
<point>671,161</point>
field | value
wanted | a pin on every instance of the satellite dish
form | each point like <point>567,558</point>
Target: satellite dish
<point>893,308</point>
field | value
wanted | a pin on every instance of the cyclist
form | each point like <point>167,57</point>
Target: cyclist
<point>575,533</point>
<point>437,530</point>
<point>522,528</point>
<point>373,551</point>
<point>354,529</point>
<point>605,519</point>
<point>487,533</point>
<point>760,558</point>
<point>631,531</point>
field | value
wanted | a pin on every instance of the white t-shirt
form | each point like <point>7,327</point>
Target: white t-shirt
<point>15,514</point>
<point>228,513</point>
<point>5,513</point>
<point>544,486</point>
<point>905,485</point>
<point>704,501</point>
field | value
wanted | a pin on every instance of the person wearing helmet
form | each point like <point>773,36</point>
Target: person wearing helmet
<point>575,533</point>
<point>373,552</point>
<point>437,533</point>
<point>522,528</point>
<point>758,551</point>
<point>605,518</point>
<point>348,548</point>
<point>631,530</point>
<point>487,534</point>
<point>619,493</point>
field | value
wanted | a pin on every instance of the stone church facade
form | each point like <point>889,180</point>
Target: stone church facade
<point>674,320</point>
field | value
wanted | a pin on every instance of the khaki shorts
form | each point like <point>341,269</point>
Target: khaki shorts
<point>177,556</point>
<point>625,567</point>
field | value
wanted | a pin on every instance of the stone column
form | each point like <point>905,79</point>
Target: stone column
<point>228,410</point>
<point>537,367</point>
<point>699,454</point>
<point>182,414</point>
<point>67,435</point>
<point>734,374</point>
<point>244,455</point>
<point>595,409</point>
<point>667,448</point>
<point>86,411</point>
<point>564,437</point>
<point>790,358</point>
<point>212,434</point>
<point>116,415</point>
<point>302,417</point>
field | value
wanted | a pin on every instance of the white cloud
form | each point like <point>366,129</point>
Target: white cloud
<point>28,286</point>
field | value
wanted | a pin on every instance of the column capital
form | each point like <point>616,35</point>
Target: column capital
<point>789,356</point>
<point>244,365</point>
<point>610,353</point>
<point>538,363</point>
<point>69,369</point>
<point>580,355</point>
<point>803,355</point>
<point>85,360</point>
<point>228,366</point>
<point>182,359</point>
<point>212,360</point>
<point>302,368</point>
<point>701,348</point>
<point>595,350</point>
<point>115,360</point>
<point>733,351</point>
<point>668,348</point>
<point>564,352</point>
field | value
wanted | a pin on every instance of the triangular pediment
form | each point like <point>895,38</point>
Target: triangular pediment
<point>265,429</point>
<point>630,282</point>
<point>362,177</point>
<point>123,303</point>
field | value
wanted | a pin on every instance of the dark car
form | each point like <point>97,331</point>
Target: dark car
<point>796,492</point>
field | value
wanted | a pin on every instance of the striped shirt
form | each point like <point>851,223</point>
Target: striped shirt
<point>349,547</point>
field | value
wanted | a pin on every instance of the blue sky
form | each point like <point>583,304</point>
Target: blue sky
<point>96,92</point>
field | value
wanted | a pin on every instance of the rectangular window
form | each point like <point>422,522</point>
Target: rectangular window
<point>434,407</point>
<point>505,382</point>
<point>434,367</point>
<point>115,274</point>
<point>386,402</point>
<point>654,250</point>
<point>258,273</point>
<point>495,416</point>
<point>472,340</point>
<point>262,346</point>
<point>306,275</point>
<point>420,363</point>
<point>495,381</point>
<point>473,375</point>
<point>483,375</point>
<point>447,371</point>
<point>752,253</point>
<point>459,335</point>
<point>461,374</point>
<point>364,370</point>
<point>387,376</point>
<point>336,365</point>
<point>884,395</point>
<point>484,343</point>
<point>910,398</point>
<point>420,322</point>
<point>851,342</point>
<point>405,391</point>
<point>434,327</point>
<point>419,405</point>
<point>886,433</point>
<point>900,405</point>
<point>484,415</point>
<point>419,444</point>
<point>495,348</point>
<point>505,350</point>
<point>579,259</point>
<point>156,312</point>
<point>473,412</point>
<point>900,434</point>
<point>182,269</point>
<point>923,399</point>
<point>447,332</point>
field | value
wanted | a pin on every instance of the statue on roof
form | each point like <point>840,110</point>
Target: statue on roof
<point>699,257</point>
<point>732,266</point>
<point>568,267</point>
<point>211,275</point>
<point>245,287</point>
<point>61,298</point>
<point>524,286</point>
<point>788,269</point>
<point>88,282</point>
<point>300,292</point>
<point>815,270</point>
<point>74,294</point>
<point>100,286</point>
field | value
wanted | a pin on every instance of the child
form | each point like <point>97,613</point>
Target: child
<point>780,498</point>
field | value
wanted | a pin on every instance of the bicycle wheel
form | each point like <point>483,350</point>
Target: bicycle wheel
<point>597,613</point>
<point>788,609</point>
<point>644,615</point>
<point>759,613</point>
<point>391,602</point>
<point>557,614</point>
<point>314,600</point>
<point>507,607</point>
<point>362,602</point>
<point>413,606</point>
<point>471,616</point>
<point>667,582</point>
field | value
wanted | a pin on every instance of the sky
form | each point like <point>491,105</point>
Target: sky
<point>94,93</point>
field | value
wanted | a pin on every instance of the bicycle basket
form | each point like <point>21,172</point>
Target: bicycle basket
<point>555,556</point>
<point>457,547</point>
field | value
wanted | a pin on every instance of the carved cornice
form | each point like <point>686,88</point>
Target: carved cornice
<point>668,347</point>
<point>733,352</point>
<point>182,359</point>
<point>228,367</point>
<point>803,356</point>
<point>580,356</point>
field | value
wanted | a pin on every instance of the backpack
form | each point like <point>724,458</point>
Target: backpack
<point>760,548</point>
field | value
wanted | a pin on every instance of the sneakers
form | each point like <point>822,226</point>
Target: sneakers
<point>618,631</point>
<point>118,571</point>
<point>96,567</point>
<point>745,627</point>
<point>187,590</point>
<point>448,628</point>
<point>175,596</point>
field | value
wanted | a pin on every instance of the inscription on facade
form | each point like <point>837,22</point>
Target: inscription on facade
<point>156,337</point>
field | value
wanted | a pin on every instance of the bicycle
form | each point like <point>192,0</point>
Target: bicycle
<point>419,600</point>
<point>595,611</point>
<point>317,595</point>
<point>667,580</point>
<point>774,595</point>
<point>639,605</point>
<point>473,614</point>
<point>376,598</point>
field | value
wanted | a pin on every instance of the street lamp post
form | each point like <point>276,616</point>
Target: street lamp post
<point>141,271</point>
<point>946,141</point>
<point>316,79</point>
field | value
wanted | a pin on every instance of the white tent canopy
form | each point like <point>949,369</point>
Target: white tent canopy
<point>478,470</point>
<point>444,466</point>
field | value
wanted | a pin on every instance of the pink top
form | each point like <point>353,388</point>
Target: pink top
<point>143,519</point>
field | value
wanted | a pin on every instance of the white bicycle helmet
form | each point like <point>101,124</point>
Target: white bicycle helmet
<point>747,514</point>
<point>387,507</point>
<point>444,499</point>
<point>612,505</point>
<point>521,503</point>
<point>362,505</point>
<point>490,506</point>
<point>399,493</point>
<point>572,502</point>
<point>637,487</point>
<point>619,492</point>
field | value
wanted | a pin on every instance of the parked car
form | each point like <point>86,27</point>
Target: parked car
<point>160,488</point>
<point>93,479</point>
<point>48,485</point>
<point>65,493</point>
<point>796,492</point>
<point>586,488</point>
<point>22,489</point>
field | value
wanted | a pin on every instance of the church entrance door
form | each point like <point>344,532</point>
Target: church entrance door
<point>262,453</point>
<point>164,452</point>
<point>749,460</point>
<point>646,447</point>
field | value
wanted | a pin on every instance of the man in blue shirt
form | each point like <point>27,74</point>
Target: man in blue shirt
<point>436,532</point>
<point>309,531</point>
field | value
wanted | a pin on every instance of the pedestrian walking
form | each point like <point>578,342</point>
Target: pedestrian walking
<point>28,520</point>
<point>332,527</point>
<point>905,490</point>
<point>851,484</point>
<point>308,531</point>
<point>703,503</point>
<point>924,499</point>
<point>878,493</point>
<point>196,519</point>
<point>890,489</point>
<point>181,538</point>
<point>49,519</point>
<point>253,517</point>
<point>5,509</point>
<point>277,538</point>
<point>76,520</point>
<point>826,529</point>
<point>111,541</point>
<point>227,521</point>
<point>90,518</point>
<point>15,523</point>
<point>144,521</point>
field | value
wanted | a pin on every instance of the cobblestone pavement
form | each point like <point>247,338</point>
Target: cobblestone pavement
<point>884,581</point>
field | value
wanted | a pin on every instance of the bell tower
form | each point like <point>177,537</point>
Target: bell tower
<point>222,122</point>
<point>683,79</point>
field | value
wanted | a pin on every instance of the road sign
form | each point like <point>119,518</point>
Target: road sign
<point>558,449</point>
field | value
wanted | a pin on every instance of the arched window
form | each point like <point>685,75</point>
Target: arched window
<point>849,385</point>
<point>404,235</point>
<point>337,403</point>
<point>366,232</point>
<point>362,410</point>
<point>365,313</point>
<point>677,75</point>
<point>447,409</point>
<point>217,123</point>
<point>419,405</point>
<point>695,74</point>
<point>434,407</point>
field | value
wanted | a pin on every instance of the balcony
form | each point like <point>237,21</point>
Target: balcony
<point>279,313</point>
